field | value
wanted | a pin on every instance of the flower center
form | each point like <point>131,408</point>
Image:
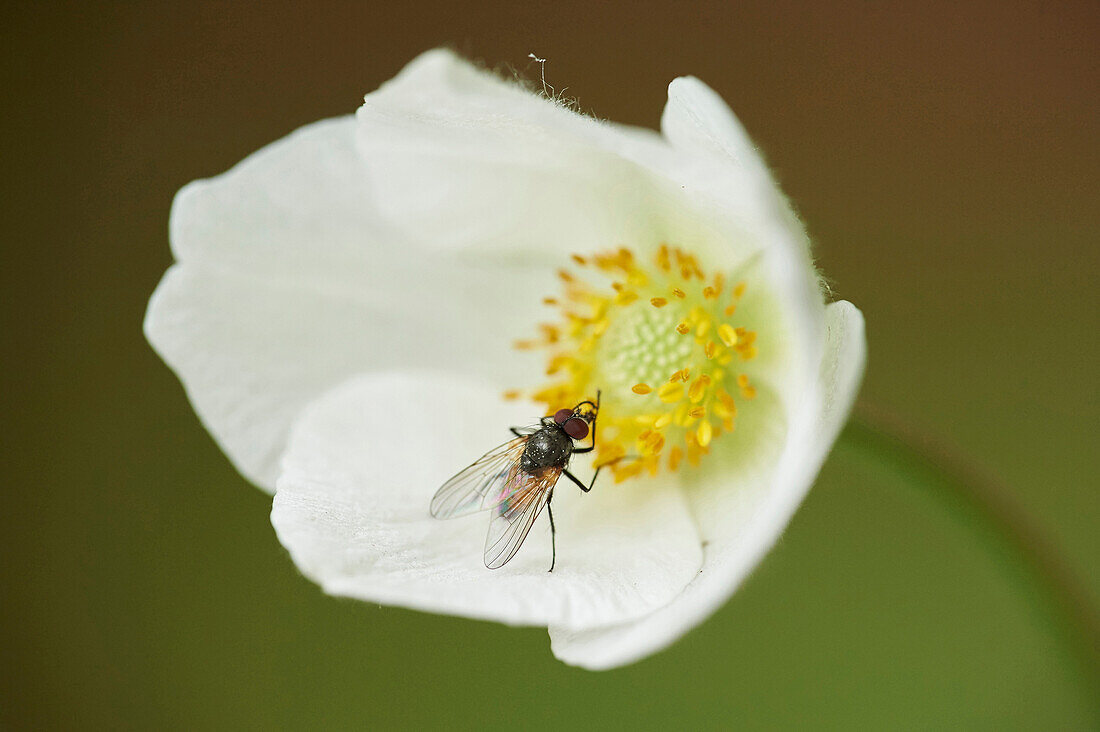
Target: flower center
<point>660,343</point>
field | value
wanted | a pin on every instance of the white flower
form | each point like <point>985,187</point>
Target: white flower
<point>343,310</point>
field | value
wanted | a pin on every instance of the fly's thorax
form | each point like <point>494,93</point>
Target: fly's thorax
<point>549,447</point>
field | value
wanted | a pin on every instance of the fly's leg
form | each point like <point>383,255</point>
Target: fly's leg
<point>553,539</point>
<point>581,485</point>
<point>514,432</point>
<point>595,475</point>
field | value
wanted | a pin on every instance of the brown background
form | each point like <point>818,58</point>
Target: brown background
<point>945,159</point>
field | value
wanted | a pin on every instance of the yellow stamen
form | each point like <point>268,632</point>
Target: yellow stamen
<point>681,375</point>
<point>728,334</point>
<point>671,392</point>
<point>624,335</point>
<point>674,457</point>
<point>704,434</point>
<point>699,388</point>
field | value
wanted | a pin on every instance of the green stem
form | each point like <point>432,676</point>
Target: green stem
<point>924,463</point>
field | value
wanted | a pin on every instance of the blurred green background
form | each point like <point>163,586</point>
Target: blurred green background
<point>945,159</point>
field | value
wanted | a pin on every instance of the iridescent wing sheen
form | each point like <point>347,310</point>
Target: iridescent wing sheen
<point>480,486</point>
<point>525,495</point>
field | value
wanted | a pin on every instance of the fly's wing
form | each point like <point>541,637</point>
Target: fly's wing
<point>480,485</point>
<point>526,496</point>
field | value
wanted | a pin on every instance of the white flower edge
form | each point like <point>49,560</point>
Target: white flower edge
<point>743,522</point>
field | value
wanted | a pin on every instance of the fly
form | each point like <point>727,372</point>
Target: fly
<point>516,480</point>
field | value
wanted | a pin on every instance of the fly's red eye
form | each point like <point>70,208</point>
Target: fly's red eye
<point>576,428</point>
<point>562,414</point>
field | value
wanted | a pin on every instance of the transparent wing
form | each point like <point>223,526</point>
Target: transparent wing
<point>480,485</point>
<point>525,495</point>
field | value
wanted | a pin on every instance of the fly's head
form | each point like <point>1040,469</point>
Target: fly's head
<point>575,421</point>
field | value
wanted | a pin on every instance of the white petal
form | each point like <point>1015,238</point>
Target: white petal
<point>740,516</point>
<point>287,285</point>
<point>462,158</point>
<point>352,508</point>
<point>295,208</point>
<point>465,160</point>
<point>698,122</point>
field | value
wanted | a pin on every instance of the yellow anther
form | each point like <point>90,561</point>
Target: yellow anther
<point>625,297</point>
<point>709,292</point>
<point>704,433</point>
<point>702,329</point>
<point>742,380</point>
<point>618,286</point>
<point>728,334</point>
<point>671,392</point>
<point>730,310</point>
<point>557,363</point>
<point>613,452</point>
<point>641,388</point>
<point>652,443</point>
<point>675,455</point>
<point>549,301</point>
<point>683,328</point>
<point>699,388</point>
<point>662,258</point>
<point>697,412</point>
<point>681,375</point>
<point>679,293</point>
<point>565,276</point>
<point>709,349</point>
<point>739,290</point>
<point>631,469</point>
<point>663,421</point>
<point>727,400</point>
<point>511,394</point>
<point>579,259</point>
<point>525,345</point>
<point>658,302</point>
